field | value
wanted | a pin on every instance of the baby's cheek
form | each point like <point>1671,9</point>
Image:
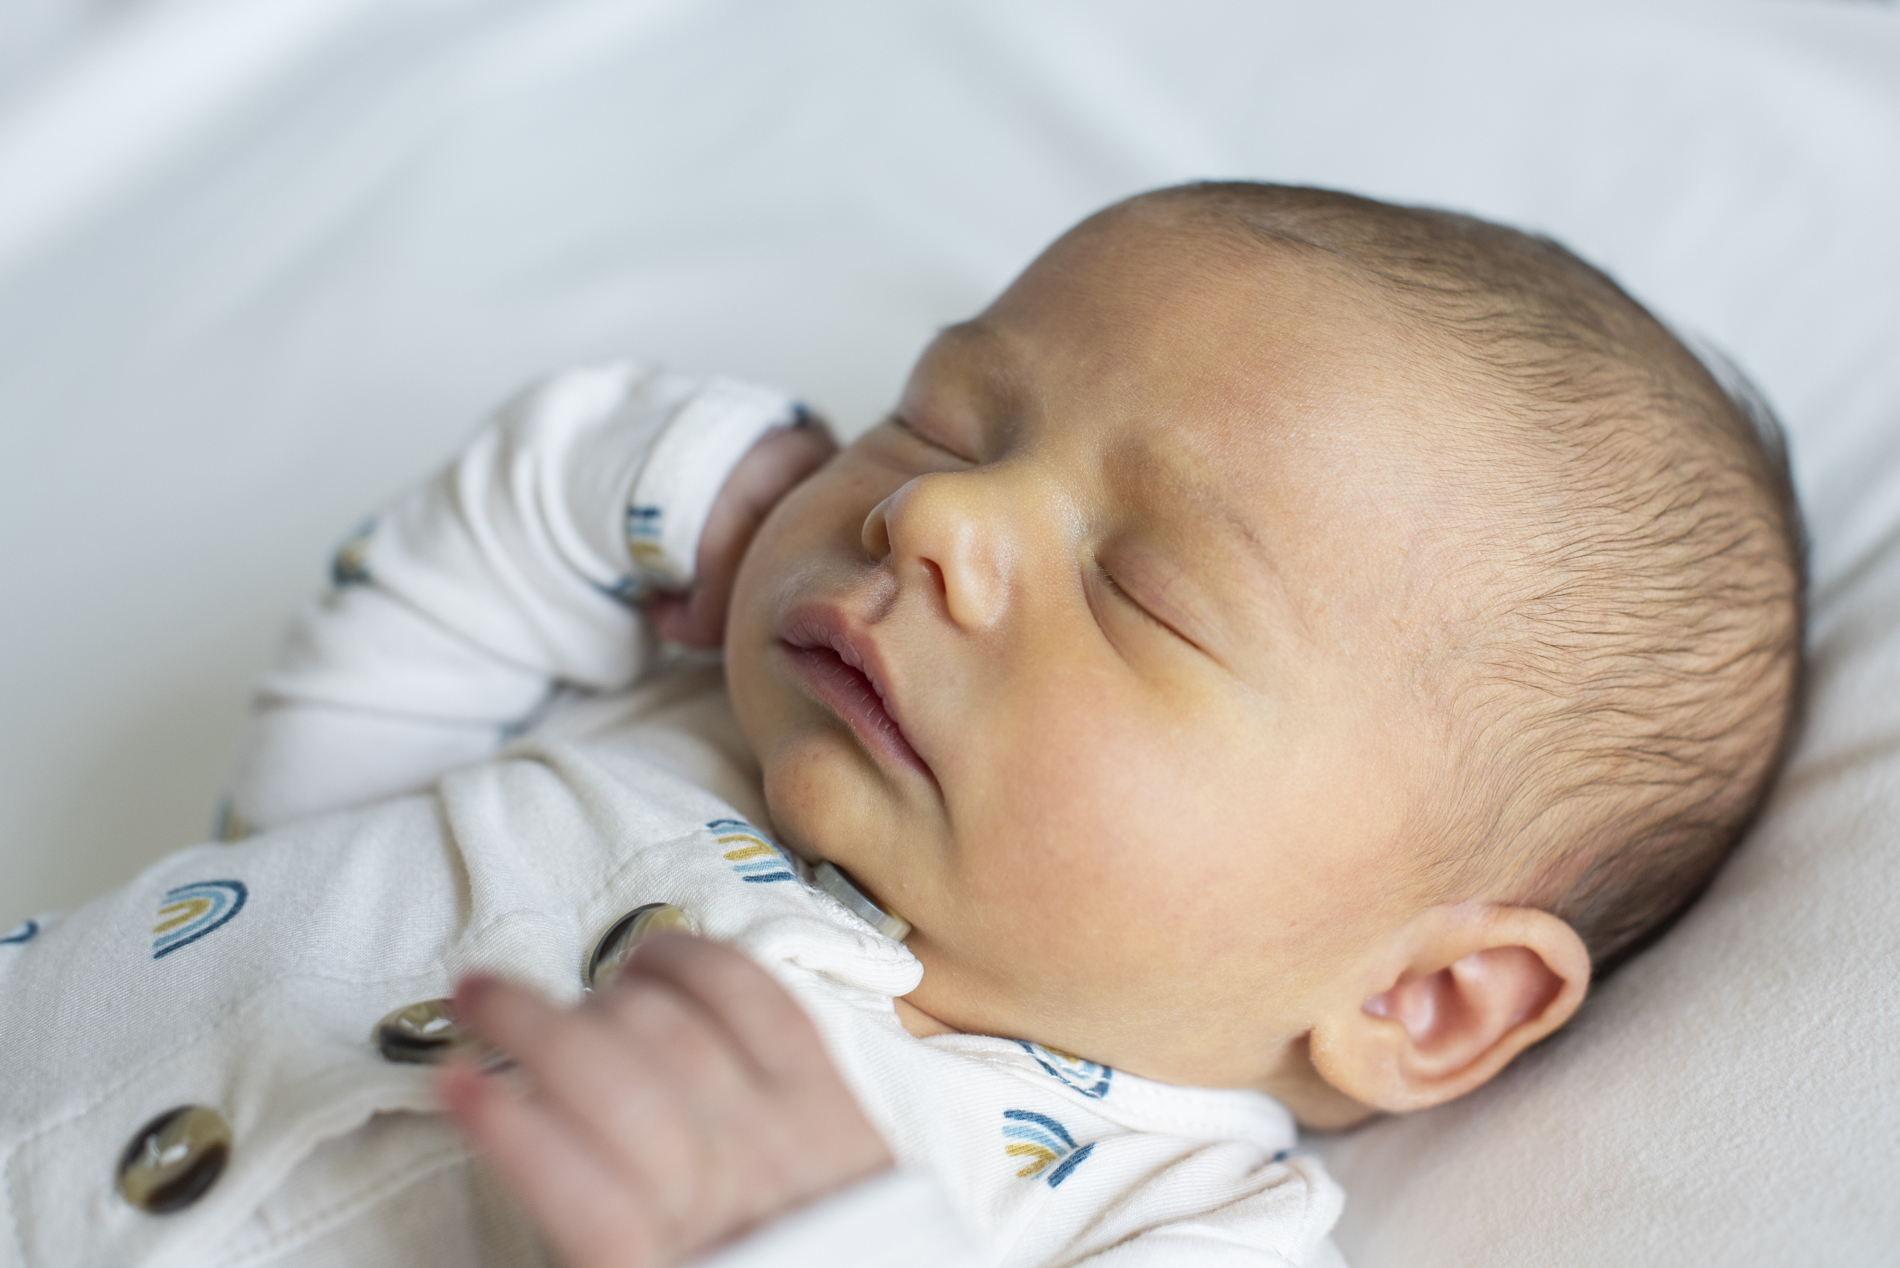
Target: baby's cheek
<point>1078,830</point>
<point>1146,837</point>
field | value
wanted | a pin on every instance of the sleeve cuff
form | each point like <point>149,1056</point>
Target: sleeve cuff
<point>688,436</point>
<point>897,1219</point>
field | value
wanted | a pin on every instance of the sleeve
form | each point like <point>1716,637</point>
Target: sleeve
<point>454,614</point>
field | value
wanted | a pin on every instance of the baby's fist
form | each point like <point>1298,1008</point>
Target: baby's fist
<point>767,473</point>
<point>686,1103</point>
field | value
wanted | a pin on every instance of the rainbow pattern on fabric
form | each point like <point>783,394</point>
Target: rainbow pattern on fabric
<point>1090,1078</point>
<point>644,528</point>
<point>1040,1140</point>
<point>756,860</point>
<point>189,912</point>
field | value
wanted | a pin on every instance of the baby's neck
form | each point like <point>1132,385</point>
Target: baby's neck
<point>1315,1103</point>
<point>920,1023</point>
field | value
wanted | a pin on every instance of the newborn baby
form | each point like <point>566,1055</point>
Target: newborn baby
<point>1271,657</point>
<point>1284,642</point>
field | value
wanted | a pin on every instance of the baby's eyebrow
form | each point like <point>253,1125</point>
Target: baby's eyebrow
<point>1265,595</point>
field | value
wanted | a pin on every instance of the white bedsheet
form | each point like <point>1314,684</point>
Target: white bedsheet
<point>263,261</point>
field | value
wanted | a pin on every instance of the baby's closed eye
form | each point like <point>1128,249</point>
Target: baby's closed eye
<point>1119,591</point>
<point>904,448</point>
<point>1124,598</point>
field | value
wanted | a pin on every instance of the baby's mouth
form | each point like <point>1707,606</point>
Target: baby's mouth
<point>845,680</point>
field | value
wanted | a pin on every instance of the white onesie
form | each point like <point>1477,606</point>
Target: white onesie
<point>247,979</point>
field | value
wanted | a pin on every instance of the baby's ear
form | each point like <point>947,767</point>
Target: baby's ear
<point>1467,988</point>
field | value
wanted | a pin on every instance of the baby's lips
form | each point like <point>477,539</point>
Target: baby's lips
<point>826,626</point>
<point>821,629</point>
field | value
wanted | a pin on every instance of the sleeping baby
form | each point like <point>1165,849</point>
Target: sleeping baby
<point>1268,662</point>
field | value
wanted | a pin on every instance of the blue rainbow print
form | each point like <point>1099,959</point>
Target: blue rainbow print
<point>189,912</point>
<point>643,523</point>
<point>22,932</point>
<point>645,526</point>
<point>755,860</point>
<point>1090,1078</point>
<point>1039,1141</point>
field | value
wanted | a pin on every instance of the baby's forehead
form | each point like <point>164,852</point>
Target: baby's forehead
<point>1243,406</point>
<point>1232,407</point>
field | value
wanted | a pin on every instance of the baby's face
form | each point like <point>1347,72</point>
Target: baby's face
<point>1091,661</point>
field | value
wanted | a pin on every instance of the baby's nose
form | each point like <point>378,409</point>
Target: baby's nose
<point>943,532</point>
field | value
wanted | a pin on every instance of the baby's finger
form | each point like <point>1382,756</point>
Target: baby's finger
<point>803,1133</point>
<point>675,621</point>
<point>765,1023</point>
<point>593,1218</point>
<point>504,1014</point>
<point>639,1104</point>
<point>687,1048</point>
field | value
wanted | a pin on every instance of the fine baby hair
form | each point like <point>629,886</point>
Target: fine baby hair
<point>1623,685</point>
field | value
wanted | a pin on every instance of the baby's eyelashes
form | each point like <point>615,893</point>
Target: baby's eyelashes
<point>1115,588</point>
<point>929,437</point>
<point>1120,595</point>
<point>1150,592</point>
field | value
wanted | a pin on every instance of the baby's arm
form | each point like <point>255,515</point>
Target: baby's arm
<point>690,1107</point>
<point>596,510</point>
<point>687,1103</point>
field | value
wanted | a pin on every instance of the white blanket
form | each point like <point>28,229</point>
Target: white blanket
<point>263,261</point>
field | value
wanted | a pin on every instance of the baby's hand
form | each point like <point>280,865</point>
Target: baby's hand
<point>767,473</point>
<point>687,1102</point>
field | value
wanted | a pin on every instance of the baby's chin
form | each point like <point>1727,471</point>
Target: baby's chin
<point>814,787</point>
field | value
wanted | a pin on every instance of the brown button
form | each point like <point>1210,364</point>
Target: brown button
<point>174,1159</point>
<point>419,1034</point>
<point>610,954</point>
<point>425,1033</point>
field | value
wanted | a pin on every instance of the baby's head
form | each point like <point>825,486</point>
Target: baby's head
<point>1284,641</point>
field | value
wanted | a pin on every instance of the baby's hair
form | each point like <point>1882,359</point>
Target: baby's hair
<point>1622,683</point>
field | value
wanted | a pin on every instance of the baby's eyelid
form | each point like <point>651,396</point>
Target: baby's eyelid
<point>904,424</point>
<point>1116,587</point>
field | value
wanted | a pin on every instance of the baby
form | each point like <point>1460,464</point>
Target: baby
<point>1266,664</point>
